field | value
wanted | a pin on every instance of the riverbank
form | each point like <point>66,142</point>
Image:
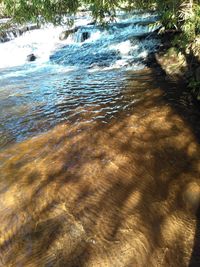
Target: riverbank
<point>179,65</point>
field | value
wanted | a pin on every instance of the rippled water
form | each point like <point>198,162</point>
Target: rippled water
<point>70,78</point>
<point>91,193</point>
<point>99,160</point>
<point>35,107</point>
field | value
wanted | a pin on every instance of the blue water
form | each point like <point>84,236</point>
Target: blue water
<point>73,78</point>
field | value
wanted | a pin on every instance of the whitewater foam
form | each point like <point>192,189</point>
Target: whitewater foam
<point>114,46</point>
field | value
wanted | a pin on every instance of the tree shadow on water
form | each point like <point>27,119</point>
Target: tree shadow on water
<point>183,102</point>
<point>195,257</point>
<point>104,195</point>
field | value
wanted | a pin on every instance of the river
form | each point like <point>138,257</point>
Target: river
<point>99,154</point>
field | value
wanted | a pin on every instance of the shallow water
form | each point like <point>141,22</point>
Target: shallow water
<point>106,194</point>
<point>32,110</point>
<point>98,168</point>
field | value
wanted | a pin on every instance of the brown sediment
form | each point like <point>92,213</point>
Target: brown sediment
<point>118,194</point>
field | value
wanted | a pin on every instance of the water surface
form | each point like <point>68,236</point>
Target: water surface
<point>72,76</point>
<point>99,163</point>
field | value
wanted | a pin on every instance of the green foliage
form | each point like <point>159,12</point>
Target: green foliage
<point>49,10</point>
<point>173,51</point>
<point>168,11</point>
<point>188,24</point>
<point>194,86</point>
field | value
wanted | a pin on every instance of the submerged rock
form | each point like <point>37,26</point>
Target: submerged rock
<point>31,57</point>
<point>191,196</point>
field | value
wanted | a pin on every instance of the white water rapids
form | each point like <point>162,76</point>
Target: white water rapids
<point>69,77</point>
<point>117,37</point>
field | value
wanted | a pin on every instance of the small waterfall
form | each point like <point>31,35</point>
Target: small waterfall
<point>82,35</point>
<point>14,32</point>
<point>122,43</point>
<point>86,33</point>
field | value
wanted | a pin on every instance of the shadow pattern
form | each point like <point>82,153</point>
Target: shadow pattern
<point>121,194</point>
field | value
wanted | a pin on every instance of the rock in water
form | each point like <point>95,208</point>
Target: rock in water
<point>31,57</point>
<point>85,36</point>
<point>65,34</point>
